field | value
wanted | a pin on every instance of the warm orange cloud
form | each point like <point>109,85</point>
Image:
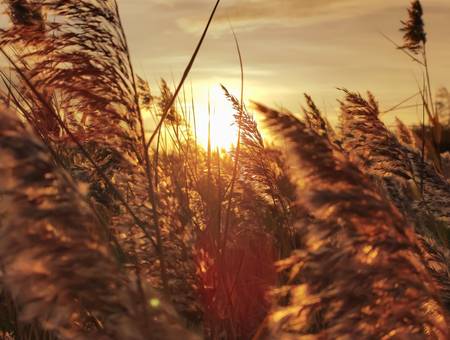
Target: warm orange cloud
<point>251,14</point>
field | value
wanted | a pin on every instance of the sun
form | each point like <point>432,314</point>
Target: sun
<point>220,117</point>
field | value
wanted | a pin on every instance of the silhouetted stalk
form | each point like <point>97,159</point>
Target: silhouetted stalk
<point>145,156</point>
<point>195,132</point>
<point>219,190</point>
<point>423,148</point>
<point>152,197</point>
<point>238,149</point>
<point>436,133</point>
<point>400,106</point>
<point>415,42</point>
<point>427,74</point>
<point>184,77</point>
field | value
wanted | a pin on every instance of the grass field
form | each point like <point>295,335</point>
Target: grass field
<point>282,226</point>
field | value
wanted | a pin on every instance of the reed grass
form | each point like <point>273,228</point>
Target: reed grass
<point>112,229</point>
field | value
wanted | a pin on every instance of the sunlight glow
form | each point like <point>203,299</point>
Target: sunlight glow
<point>224,131</point>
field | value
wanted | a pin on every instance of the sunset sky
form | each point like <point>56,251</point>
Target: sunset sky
<point>289,47</point>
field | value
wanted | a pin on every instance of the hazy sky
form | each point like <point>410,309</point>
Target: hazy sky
<point>289,47</point>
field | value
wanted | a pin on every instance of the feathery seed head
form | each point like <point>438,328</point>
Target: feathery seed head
<point>414,36</point>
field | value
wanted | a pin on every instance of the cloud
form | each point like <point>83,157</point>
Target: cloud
<point>289,9</point>
<point>255,14</point>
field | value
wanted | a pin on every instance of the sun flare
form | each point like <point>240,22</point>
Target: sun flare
<point>218,117</point>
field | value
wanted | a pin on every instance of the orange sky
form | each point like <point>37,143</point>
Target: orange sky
<point>289,47</point>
